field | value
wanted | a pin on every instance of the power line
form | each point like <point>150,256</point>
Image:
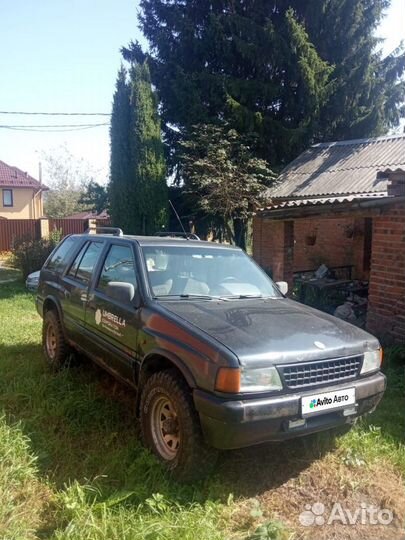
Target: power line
<point>52,125</point>
<point>55,128</point>
<point>58,113</point>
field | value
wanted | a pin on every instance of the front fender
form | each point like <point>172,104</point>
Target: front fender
<point>173,359</point>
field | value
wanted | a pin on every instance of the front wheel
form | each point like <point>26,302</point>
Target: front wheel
<point>171,429</point>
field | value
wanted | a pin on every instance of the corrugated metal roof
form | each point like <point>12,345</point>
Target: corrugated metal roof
<point>295,203</point>
<point>342,167</point>
<point>15,177</point>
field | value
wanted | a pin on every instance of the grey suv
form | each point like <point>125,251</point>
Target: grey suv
<point>220,358</point>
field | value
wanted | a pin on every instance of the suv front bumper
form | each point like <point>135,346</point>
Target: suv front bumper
<point>234,424</point>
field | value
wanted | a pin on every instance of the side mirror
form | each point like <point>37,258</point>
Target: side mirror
<point>283,286</point>
<point>121,291</point>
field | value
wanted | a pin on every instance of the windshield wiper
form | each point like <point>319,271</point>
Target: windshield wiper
<point>242,296</point>
<point>185,295</point>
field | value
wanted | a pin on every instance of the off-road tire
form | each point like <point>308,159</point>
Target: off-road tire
<point>194,459</point>
<point>60,356</point>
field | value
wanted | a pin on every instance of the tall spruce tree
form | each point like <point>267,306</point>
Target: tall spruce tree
<point>368,96</point>
<point>290,71</point>
<point>138,190</point>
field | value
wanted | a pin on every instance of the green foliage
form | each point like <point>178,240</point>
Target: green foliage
<point>29,254</point>
<point>120,161</point>
<point>63,202</point>
<point>137,186</point>
<point>368,90</point>
<point>292,73</point>
<point>223,176</point>
<point>67,178</point>
<point>95,197</point>
<point>150,194</point>
<point>272,530</point>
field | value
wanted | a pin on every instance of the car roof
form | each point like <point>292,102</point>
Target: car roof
<point>160,240</point>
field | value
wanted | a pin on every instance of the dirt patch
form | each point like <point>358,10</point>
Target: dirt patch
<point>338,491</point>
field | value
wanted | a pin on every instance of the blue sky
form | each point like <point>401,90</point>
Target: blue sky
<point>63,55</point>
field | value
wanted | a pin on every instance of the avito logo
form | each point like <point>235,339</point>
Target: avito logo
<point>319,402</point>
<point>313,403</point>
<point>327,401</point>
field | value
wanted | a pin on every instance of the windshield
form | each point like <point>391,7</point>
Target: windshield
<point>192,271</point>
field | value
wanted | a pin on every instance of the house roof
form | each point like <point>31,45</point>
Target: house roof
<point>341,168</point>
<point>14,177</point>
<point>88,214</point>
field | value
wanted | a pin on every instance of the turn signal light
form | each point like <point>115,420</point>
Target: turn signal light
<point>228,380</point>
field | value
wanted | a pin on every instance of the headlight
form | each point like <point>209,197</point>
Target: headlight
<point>372,361</point>
<point>260,380</point>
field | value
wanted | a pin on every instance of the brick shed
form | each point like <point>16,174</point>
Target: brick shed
<point>342,204</point>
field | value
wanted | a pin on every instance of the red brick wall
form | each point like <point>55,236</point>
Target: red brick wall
<point>386,311</point>
<point>273,243</point>
<point>332,246</point>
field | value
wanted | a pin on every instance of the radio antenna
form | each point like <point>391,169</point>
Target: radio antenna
<point>179,220</point>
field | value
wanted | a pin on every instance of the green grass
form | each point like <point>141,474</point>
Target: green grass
<point>72,467</point>
<point>382,435</point>
<point>8,274</point>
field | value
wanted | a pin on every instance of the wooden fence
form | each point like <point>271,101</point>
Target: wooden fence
<point>10,229</point>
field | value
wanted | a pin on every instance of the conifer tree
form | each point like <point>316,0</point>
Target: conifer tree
<point>138,190</point>
<point>148,193</point>
<point>291,71</point>
<point>368,96</point>
<point>120,155</point>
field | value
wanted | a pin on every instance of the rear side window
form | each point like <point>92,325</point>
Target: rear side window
<point>61,254</point>
<point>76,262</point>
<point>118,266</point>
<point>83,265</point>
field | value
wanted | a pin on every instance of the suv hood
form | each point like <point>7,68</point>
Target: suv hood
<point>273,331</point>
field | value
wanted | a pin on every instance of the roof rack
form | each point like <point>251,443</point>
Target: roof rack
<point>115,231</point>
<point>188,236</point>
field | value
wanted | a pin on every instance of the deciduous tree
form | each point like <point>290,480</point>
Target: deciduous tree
<point>67,178</point>
<point>223,176</point>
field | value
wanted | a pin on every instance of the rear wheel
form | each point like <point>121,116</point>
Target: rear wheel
<point>171,429</point>
<point>54,345</point>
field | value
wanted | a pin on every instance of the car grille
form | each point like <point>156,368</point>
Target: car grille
<point>314,373</point>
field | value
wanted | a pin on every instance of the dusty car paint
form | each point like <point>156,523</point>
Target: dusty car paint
<point>273,331</point>
<point>199,336</point>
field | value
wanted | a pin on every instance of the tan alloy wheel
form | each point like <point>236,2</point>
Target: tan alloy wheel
<point>51,342</point>
<point>165,428</point>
